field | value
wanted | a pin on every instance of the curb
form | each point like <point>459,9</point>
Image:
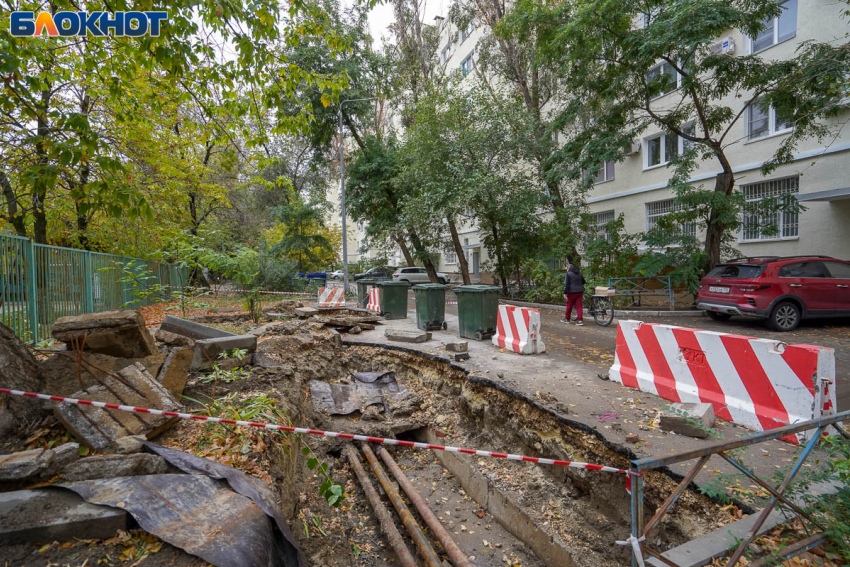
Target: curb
<point>617,312</point>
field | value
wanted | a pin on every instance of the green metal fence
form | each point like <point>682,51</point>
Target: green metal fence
<point>41,283</point>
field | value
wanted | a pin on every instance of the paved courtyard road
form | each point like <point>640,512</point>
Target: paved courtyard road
<point>593,344</point>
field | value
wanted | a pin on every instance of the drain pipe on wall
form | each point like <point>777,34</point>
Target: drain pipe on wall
<point>455,554</point>
<point>384,516</point>
<point>423,546</point>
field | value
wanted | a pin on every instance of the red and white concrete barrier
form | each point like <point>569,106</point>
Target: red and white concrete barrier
<point>758,383</point>
<point>518,330</point>
<point>374,302</point>
<point>331,297</point>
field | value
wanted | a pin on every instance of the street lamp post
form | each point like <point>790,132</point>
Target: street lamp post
<point>342,193</point>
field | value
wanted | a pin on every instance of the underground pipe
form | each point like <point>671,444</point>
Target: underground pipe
<point>423,546</point>
<point>456,556</point>
<point>384,517</point>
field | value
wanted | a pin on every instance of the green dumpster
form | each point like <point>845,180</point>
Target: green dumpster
<point>393,299</point>
<point>363,287</point>
<point>478,310</point>
<point>430,306</point>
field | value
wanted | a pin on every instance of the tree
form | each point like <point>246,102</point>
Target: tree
<point>613,75</point>
<point>68,102</point>
<point>302,236</point>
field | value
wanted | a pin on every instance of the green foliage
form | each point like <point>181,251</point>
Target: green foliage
<point>227,375</point>
<point>548,285</point>
<point>302,241</point>
<point>332,492</point>
<point>145,288</point>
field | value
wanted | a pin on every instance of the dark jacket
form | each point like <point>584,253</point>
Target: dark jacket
<point>573,281</point>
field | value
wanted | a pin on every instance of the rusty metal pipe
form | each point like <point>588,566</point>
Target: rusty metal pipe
<point>384,517</point>
<point>455,554</point>
<point>423,546</point>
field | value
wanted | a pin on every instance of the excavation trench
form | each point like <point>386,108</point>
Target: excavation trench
<point>562,516</point>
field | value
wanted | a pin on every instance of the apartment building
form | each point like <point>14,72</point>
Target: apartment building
<point>637,187</point>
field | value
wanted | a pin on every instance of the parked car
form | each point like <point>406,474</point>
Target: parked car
<point>415,276</point>
<point>336,275</point>
<point>780,290</point>
<point>376,272</point>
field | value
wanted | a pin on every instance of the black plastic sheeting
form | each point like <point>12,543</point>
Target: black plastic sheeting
<point>216,512</point>
<point>368,388</point>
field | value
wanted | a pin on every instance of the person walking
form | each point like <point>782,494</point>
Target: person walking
<point>574,293</point>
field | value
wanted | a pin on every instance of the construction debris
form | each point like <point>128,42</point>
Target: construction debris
<point>457,346</point>
<point>18,370</point>
<point>367,389</point>
<point>98,428</point>
<point>407,336</point>
<point>36,464</point>
<point>175,370</point>
<point>305,312</point>
<point>173,339</point>
<point>54,514</point>
<point>116,333</point>
<point>109,466</point>
<point>693,420</point>
<point>69,371</point>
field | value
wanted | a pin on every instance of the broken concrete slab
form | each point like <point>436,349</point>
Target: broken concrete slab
<point>19,370</point>
<point>26,465</point>
<point>305,312</point>
<point>407,336</point>
<point>173,339</point>
<point>175,370</point>
<point>692,420</point>
<point>461,356</point>
<point>207,350</point>
<point>110,466</point>
<point>457,346</point>
<point>98,428</point>
<point>129,445</point>
<point>45,515</point>
<point>191,329</point>
<point>63,376</point>
<point>116,333</point>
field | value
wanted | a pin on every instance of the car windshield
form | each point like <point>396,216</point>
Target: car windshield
<point>735,271</point>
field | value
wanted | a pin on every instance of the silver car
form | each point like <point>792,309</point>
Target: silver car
<point>415,276</point>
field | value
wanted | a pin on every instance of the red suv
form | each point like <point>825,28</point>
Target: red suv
<point>780,290</point>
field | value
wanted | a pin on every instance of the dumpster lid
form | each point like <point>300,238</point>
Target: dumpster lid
<point>367,281</point>
<point>429,286</point>
<point>391,283</point>
<point>477,288</point>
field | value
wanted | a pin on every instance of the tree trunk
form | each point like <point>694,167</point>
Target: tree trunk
<point>714,229</point>
<point>461,258</point>
<point>399,239</point>
<point>17,221</point>
<point>423,255</point>
<point>193,214</point>
<point>39,188</point>
<point>497,248</point>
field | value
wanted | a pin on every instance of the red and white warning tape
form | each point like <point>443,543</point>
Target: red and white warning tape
<point>351,436</point>
<point>304,293</point>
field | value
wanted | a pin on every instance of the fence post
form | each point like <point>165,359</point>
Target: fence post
<point>32,291</point>
<point>89,284</point>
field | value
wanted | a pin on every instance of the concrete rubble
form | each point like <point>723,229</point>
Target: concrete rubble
<point>116,333</point>
<point>53,514</point>
<point>99,428</point>
<point>19,370</point>
<point>36,464</point>
<point>693,420</point>
<point>64,374</point>
<point>209,341</point>
<point>109,466</point>
<point>407,336</point>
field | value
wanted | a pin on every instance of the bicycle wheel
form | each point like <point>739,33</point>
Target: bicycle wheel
<point>603,313</point>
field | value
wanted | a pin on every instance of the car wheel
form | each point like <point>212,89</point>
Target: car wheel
<point>784,317</point>
<point>718,316</point>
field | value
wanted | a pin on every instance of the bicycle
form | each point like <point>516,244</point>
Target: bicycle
<point>600,306</point>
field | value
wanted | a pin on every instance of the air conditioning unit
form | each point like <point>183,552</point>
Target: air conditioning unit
<point>633,149</point>
<point>723,47</point>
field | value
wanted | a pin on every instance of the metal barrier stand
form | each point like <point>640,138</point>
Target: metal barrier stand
<point>628,287</point>
<point>639,531</point>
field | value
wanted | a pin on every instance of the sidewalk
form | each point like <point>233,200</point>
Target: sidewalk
<point>569,383</point>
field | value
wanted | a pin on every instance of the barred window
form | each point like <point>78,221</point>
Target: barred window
<point>657,209</point>
<point>598,227</point>
<point>764,217</point>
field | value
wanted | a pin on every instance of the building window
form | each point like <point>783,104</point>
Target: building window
<point>445,53</point>
<point>467,31</point>
<point>763,120</point>
<point>658,209</point>
<point>777,30</point>
<point>661,148</point>
<point>599,220</point>
<point>450,257</point>
<point>771,222</point>
<point>466,66</point>
<point>662,79</point>
<point>605,172</point>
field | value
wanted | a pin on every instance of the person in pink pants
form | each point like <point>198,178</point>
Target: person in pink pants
<point>574,294</point>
